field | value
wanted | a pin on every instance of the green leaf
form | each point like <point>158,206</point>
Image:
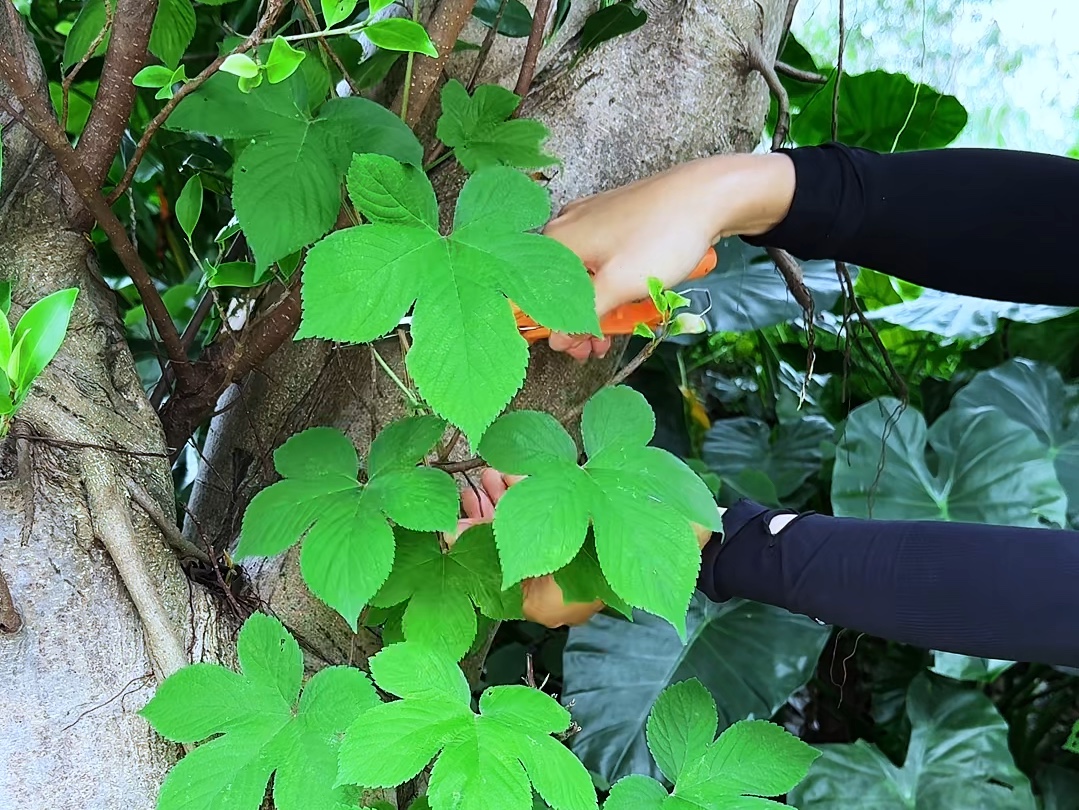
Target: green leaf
<point>348,547</point>
<point>879,111</point>
<point>335,11</point>
<point>489,761</point>
<point>374,68</point>
<point>967,668</point>
<point>640,501</point>
<point>265,731</point>
<point>516,18</point>
<point>478,129</point>
<point>989,468</point>
<point>232,274</point>
<point>40,333</point>
<point>789,454</point>
<point>955,317</point>
<point>751,758</point>
<point>398,34</point>
<point>7,404</point>
<point>1033,395</point>
<point>5,286</point>
<point>289,156</point>
<point>939,771</point>
<point>5,342</point>
<point>189,205</point>
<point>240,64</point>
<point>443,591</point>
<point>87,27</point>
<point>174,28</point>
<point>681,726</point>
<point>750,657</point>
<point>614,418</point>
<point>612,21</point>
<point>467,357</point>
<point>284,60</point>
<point>583,581</point>
<point>637,793</point>
<point>763,299</point>
<point>521,440</point>
<point>153,76</point>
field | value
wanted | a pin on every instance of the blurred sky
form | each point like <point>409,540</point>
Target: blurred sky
<point>1014,64</point>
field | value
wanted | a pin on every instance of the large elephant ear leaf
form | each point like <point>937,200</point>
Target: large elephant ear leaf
<point>750,657</point>
<point>989,468</point>
<point>937,773</point>
<point>1034,395</point>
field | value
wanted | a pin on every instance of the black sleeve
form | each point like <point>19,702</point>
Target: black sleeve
<point>984,222</point>
<point>989,591</point>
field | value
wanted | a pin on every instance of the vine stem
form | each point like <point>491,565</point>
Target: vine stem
<point>273,11</point>
<point>532,49</point>
<point>619,377</point>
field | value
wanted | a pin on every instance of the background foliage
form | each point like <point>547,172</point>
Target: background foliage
<point>986,380</point>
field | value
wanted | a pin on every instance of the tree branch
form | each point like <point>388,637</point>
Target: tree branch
<point>798,74</point>
<point>309,12</point>
<point>444,28</point>
<point>758,61</point>
<point>38,117</point>
<point>111,110</point>
<point>532,49</point>
<point>273,10</point>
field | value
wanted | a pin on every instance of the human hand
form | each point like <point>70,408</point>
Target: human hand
<point>661,227</point>
<point>544,602</point>
<point>543,599</point>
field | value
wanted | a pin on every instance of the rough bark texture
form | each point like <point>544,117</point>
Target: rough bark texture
<point>93,643</point>
<point>82,663</point>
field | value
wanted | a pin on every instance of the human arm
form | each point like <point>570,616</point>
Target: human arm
<point>988,591</point>
<point>966,221</point>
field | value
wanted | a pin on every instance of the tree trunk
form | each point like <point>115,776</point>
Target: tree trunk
<point>99,607</point>
<point>105,608</point>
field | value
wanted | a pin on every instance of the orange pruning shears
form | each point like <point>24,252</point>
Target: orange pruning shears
<point>621,320</point>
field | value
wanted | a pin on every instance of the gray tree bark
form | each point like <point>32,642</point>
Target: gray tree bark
<point>105,609</point>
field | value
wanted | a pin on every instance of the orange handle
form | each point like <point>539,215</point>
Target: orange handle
<point>621,320</point>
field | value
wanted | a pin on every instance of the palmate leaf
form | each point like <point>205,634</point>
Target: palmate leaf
<point>751,657</point>
<point>750,759</point>
<point>958,757</point>
<point>639,500</point>
<point>290,156</point>
<point>486,761</point>
<point>467,357</point>
<point>264,729</point>
<point>348,545</point>
<point>479,129</point>
<point>443,590</point>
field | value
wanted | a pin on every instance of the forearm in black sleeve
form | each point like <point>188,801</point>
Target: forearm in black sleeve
<point>991,223</point>
<point>990,591</point>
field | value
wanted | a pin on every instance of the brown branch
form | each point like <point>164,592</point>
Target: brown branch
<point>788,21</point>
<point>69,79</point>
<point>111,110</point>
<point>792,274</point>
<point>485,47</point>
<point>444,27</point>
<point>618,378</point>
<point>791,72</point>
<point>758,61</point>
<point>532,49</point>
<point>460,466</point>
<point>38,117</point>
<point>229,360</point>
<point>167,527</point>
<point>273,10</point>
<point>309,12</point>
